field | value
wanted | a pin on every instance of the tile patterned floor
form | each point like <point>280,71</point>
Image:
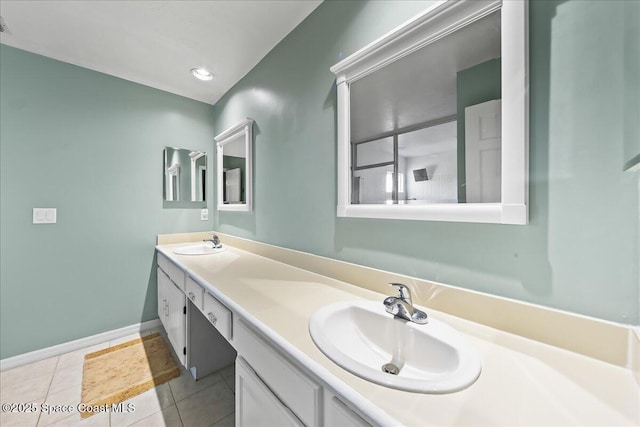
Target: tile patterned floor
<point>182,402</point>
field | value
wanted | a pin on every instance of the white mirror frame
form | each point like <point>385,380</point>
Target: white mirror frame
<point>242,128</point>
<point>173,193</point>
<point>432,24</point>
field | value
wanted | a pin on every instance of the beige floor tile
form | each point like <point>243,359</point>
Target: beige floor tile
<point>66,378</point>
<point>27,383</point>
<point>231,382</point>
<point>228,421</point>
<point>98,420</point>
<point>68,397</point>
<point>154,330</point>
<point>229,371</point>
<point>207,406</point>
<point>35,369</point>
<point>76,357</point>
<point>144,405</point>
<point>124,339</point>
<point>133,336</point>
<point>168,417</point>
<point>185,385</point>
<point>26,391</point>
<point>25,416</point>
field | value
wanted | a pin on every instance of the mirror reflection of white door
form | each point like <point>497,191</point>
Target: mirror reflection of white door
<point>232,185</point>
<point>483,152</point>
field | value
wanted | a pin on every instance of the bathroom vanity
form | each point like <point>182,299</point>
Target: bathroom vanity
<point>197,325</point>
<point>272,388</point>
<point>262,307</point>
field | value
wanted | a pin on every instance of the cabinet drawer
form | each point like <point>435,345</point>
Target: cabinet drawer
<point>218,315</point>
<point>173,271</point>
<point>194,292</point>
<point>295,389</point>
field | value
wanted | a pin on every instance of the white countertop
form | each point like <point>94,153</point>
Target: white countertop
<point>523,382</point>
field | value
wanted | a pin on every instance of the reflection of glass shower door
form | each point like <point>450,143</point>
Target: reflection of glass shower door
<point>232,186</point>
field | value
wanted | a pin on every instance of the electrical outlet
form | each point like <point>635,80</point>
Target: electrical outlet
<point>204,214</point>
<point>45,215</point>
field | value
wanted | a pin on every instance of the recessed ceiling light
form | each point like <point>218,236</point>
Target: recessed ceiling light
<point>201,74</point>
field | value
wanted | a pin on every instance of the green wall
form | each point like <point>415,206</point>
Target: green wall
<point>474,85</point>
<point>631,71</point>
<point>580,251</point>
<point>90,145</point>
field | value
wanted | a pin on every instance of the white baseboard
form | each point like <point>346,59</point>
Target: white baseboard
<point>56,350</point>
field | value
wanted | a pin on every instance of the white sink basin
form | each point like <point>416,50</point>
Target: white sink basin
<point>361,337</point>
<point>197,249</point>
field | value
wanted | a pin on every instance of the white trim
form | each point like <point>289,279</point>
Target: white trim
<point>467,212</point>
<point>56,350</point>
<point>223,138</point>
<point>427,27</point>
<point>173,194</point>
<point>434,23</point>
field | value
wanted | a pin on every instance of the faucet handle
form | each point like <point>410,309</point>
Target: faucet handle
<point>403,291</point>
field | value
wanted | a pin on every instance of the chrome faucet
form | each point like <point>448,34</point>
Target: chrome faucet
<point>215,240</point>
<point>402,307</point>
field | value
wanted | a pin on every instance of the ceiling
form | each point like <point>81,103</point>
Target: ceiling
<point>156,43</point>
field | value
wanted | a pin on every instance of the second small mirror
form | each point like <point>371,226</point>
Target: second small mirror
<point>185,175</point>
<point>234,167</point>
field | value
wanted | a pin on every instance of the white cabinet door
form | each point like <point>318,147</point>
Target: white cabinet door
<point>256,405</point>
<point>176,320</point>
<point>163,307</point>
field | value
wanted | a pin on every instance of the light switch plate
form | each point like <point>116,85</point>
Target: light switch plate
<point>45,215</point>
<point>204,214</point>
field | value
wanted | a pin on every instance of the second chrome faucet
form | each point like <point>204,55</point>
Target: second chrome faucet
<point>402,307</point>
<point>215,240</point>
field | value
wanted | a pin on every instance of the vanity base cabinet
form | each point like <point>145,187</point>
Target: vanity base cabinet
<point>272,387</point>
<point>171,310</point>
<point>270,384</point>
<point>291,386</point>
<point>256,405</point>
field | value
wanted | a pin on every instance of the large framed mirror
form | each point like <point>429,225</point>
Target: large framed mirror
<point>234,167</point>
<point>433,117</point>
<point>184,176</point>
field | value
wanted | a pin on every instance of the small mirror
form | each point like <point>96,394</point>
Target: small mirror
<point>234,167</point>
<point>185,175</point>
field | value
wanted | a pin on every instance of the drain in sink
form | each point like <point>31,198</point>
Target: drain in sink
<point>390,368</point>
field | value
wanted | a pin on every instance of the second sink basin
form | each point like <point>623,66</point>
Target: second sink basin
<point>366,341</point>
<point>197,249</point>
